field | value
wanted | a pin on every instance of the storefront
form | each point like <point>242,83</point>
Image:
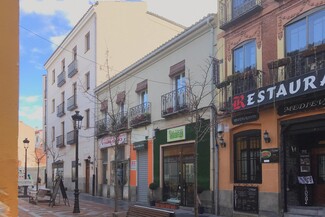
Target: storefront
<point>273,150</point>
<point>107,163</point>
<point>174,164</point>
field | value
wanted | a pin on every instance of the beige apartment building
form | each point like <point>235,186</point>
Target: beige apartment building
<point>151,98</point>
<point>35,153</point>
<point>109,37</point>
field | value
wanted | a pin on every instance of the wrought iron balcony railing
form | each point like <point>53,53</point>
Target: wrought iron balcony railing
<point>60,110</point>
<point>174,102</point>
<point>61,79</point>
<point>103,126</point>
<point>71,137</point>
<point>140,115</point>
<point>230,12</point>
<point>72,68</point>
<point>246,81</point>
<point>122,121</point>
<point>60,141</point>
<point>72,103</point>
<point>297,63</point>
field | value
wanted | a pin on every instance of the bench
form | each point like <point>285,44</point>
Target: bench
<point>143,211</point>
<point>35,196</point>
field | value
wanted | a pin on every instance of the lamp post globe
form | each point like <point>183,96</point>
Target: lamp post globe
<point>77,119</point>
<point>26,143</point>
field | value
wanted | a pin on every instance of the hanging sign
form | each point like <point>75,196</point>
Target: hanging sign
<point>308,83</point>
<point>176,134</point>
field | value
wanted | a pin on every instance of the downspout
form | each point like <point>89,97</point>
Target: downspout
<point>215,170</point>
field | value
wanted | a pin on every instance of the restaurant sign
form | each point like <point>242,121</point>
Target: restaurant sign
<point>308,83</point>
<point>176,134</point>
<point>109,141</point>
<point>301,106</point>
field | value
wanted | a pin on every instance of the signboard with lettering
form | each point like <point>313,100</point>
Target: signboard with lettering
<point>244,118</point>
<point>307,83</point>
<point>176,134</point>
<point>133,165</point>
<point>270,155</point>
<point>301,106</point>
<point>142,145</point>
<point>246,199</point>
<point>109,141</point>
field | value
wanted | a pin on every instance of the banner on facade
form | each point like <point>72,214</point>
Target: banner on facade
<point>109,141</point>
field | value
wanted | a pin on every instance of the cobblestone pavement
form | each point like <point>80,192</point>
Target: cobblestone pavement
<point>89,206</point>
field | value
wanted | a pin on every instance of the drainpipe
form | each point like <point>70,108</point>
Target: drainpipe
<point>215,170</point>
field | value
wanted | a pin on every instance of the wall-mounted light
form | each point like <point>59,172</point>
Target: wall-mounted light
<point>155,131</point>
<point>266,137</point>
<point>222,142</point>
<point>89,158</point>
<point>220,131</point>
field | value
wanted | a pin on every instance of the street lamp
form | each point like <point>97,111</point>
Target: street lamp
<point>26,143</point>
<point>77,119</point>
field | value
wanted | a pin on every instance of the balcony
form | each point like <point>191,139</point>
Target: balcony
<point>140,115</point>
<point>60,110</point>
<point>72,103</point>
<point>231,14</point>
<point>60,141</point>
<point>174,102</point>
<point>103,126</point>
<point>122,121</point>
<point>71,137</point>
<point>297,63</point>
<point>72,68</point>
<point>246,81</point>
<point>61,79</point>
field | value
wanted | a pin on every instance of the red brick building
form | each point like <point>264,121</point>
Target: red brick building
<point>271,116</point>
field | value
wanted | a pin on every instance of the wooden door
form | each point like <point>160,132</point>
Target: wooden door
<point>87,176</point>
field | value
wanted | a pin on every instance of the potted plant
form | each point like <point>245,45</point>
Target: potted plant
<point>152,186</point>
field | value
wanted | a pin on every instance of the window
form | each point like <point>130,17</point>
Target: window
<point>87,81</point>
<point>180,87</point>
<point>63,65</point>
<point>53,134</point>
<point>144,97</point>
<point>306,32</point>
<point>248,167</point>
<point>74,52</point>
<point>87,117</point>
<point>53,105</point>
<point>53,76</point>
<point>87,42</point>
<point>62,128</point>
<point>245,57</point>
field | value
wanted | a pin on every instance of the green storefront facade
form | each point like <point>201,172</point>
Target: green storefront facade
<point>174,161</point>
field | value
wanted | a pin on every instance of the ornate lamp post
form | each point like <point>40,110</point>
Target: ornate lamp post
<point>26,143</point>
<point>77,119</point>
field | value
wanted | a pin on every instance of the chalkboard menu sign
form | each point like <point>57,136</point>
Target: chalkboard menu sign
<point>246,199</point>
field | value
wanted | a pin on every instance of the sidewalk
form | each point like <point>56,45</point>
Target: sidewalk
<point>89,206</point>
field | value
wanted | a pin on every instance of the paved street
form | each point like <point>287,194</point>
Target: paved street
<point>89,206</point>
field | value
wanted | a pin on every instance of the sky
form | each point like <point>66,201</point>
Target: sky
<point>45,23</point>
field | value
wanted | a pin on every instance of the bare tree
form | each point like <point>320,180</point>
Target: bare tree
<point>201,97</point>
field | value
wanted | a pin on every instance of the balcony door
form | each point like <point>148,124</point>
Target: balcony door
<point>180,91</point>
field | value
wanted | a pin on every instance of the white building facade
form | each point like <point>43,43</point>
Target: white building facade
<point>98,46</point>
<point>157,93</point>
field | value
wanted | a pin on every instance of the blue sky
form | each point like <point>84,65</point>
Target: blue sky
<point>45,23</point>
